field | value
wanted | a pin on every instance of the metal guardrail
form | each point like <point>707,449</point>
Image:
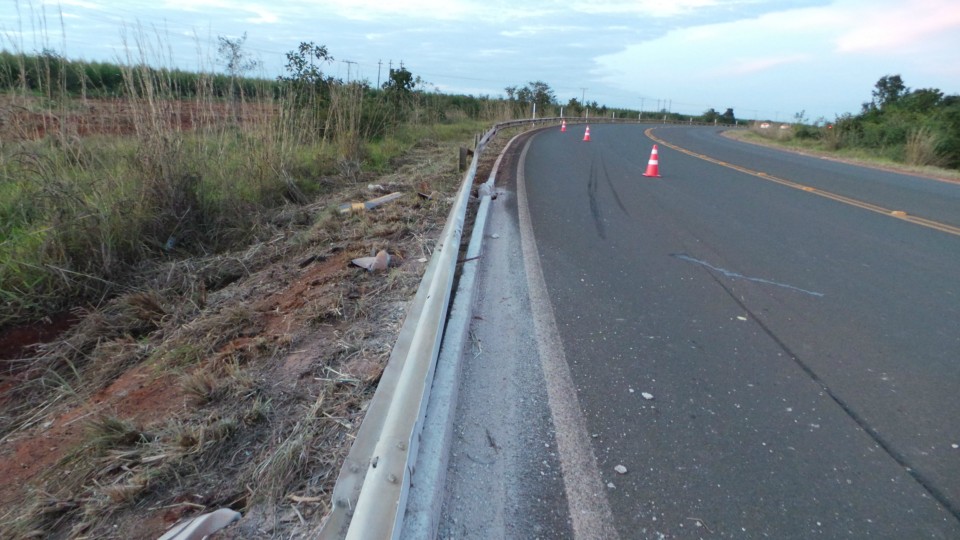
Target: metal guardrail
<point>369,498</point>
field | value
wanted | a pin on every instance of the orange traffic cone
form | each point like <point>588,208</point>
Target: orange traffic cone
<point>563,125</point>
<point>586,134</point>
<point>653,166</point>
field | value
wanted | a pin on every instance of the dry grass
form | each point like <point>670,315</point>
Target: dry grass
<point>233,380</point>
<point>829,148</point>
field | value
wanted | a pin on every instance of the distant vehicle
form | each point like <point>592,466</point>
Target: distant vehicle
<point>784,126</point>
<point>764,125</point>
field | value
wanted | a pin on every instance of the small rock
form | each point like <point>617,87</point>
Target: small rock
<point>620,469</point>
<point>647,396</point>
<point>494,236</point>
<point>611,486</point>
<point>741,318</point>
<point>955,446</point>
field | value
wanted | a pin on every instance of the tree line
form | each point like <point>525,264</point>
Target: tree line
<point>915,126</point>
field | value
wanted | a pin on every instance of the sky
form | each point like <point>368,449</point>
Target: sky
<point>765,59</point>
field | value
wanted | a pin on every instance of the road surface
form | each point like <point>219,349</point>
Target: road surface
<point>762,341</point>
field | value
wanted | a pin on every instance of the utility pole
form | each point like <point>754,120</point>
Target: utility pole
<point>583,100</point>
<point>348,63</point>
<point>379,65</point>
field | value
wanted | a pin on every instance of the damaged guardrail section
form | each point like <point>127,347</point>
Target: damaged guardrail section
<point>369,498</point>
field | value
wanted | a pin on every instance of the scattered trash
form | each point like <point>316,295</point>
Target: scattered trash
<point>312,259</point>
<point>300,499</point>
<point>647,395</point>
<point>741,318</point>
<point>955,446</point>
<point>202,526</point>
<point>379,262</point>
<point>376,187</point>
<point>494,236</point>
<point>620,469</point>
<point>700,523</point>
<point>611,486</point>
<point>423,190</point>
<point>356,207</point>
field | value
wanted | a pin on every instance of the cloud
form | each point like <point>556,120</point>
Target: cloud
<point>246,11</point>
<point>756,65</point>
<point>262,16</point>
<point>495,53</point>
<point>366,10</point>
<point>536,30</point>
<point>656,8</point>
<point>73,3</point>
<point>898,25</point>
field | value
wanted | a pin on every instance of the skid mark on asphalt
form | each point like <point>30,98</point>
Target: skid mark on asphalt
<point>593,186</point>
<point>595,210</point>
<point>735,275</point>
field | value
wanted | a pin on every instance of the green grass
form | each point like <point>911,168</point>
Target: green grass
<point>890,158</point>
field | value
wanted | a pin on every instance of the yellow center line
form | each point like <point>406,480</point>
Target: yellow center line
<point>899,214</point>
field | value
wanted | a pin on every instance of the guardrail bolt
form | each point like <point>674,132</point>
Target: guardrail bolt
<point>392,478</point>
<point>402,445</point>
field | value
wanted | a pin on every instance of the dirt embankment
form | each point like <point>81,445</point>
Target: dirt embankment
<point>236,381</point>
<point>24,119</point>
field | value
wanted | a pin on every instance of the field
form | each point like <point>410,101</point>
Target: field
<point>230,369</point>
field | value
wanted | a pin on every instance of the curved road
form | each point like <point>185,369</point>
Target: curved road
<point>762,360</point>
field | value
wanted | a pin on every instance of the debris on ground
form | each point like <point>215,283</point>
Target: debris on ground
<point>378,262</point>
<point>347,208</point>
<point>236,380</point>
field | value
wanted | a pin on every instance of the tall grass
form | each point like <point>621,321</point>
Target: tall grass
<point>178,177</point>
<point>171,167</point>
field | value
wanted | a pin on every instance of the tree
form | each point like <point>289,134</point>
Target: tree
<point>727,117</point>
<point>400,80</point>
<point>888,91</point>
<point>535,92</point>
<point>541,94</point>
<point>399,87</point>
<point>236,61</point>
<point>924,100</point>
<point>302,64</point>
<point>710,116</point>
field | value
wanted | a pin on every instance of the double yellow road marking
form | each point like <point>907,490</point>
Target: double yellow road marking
<point>899,214</point>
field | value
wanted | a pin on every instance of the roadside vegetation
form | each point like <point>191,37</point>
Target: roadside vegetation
<point>105,167</point>
<point>220,348</point>
<point>899,126</point>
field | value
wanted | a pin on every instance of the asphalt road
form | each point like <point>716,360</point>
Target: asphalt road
<point>762,360</point>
